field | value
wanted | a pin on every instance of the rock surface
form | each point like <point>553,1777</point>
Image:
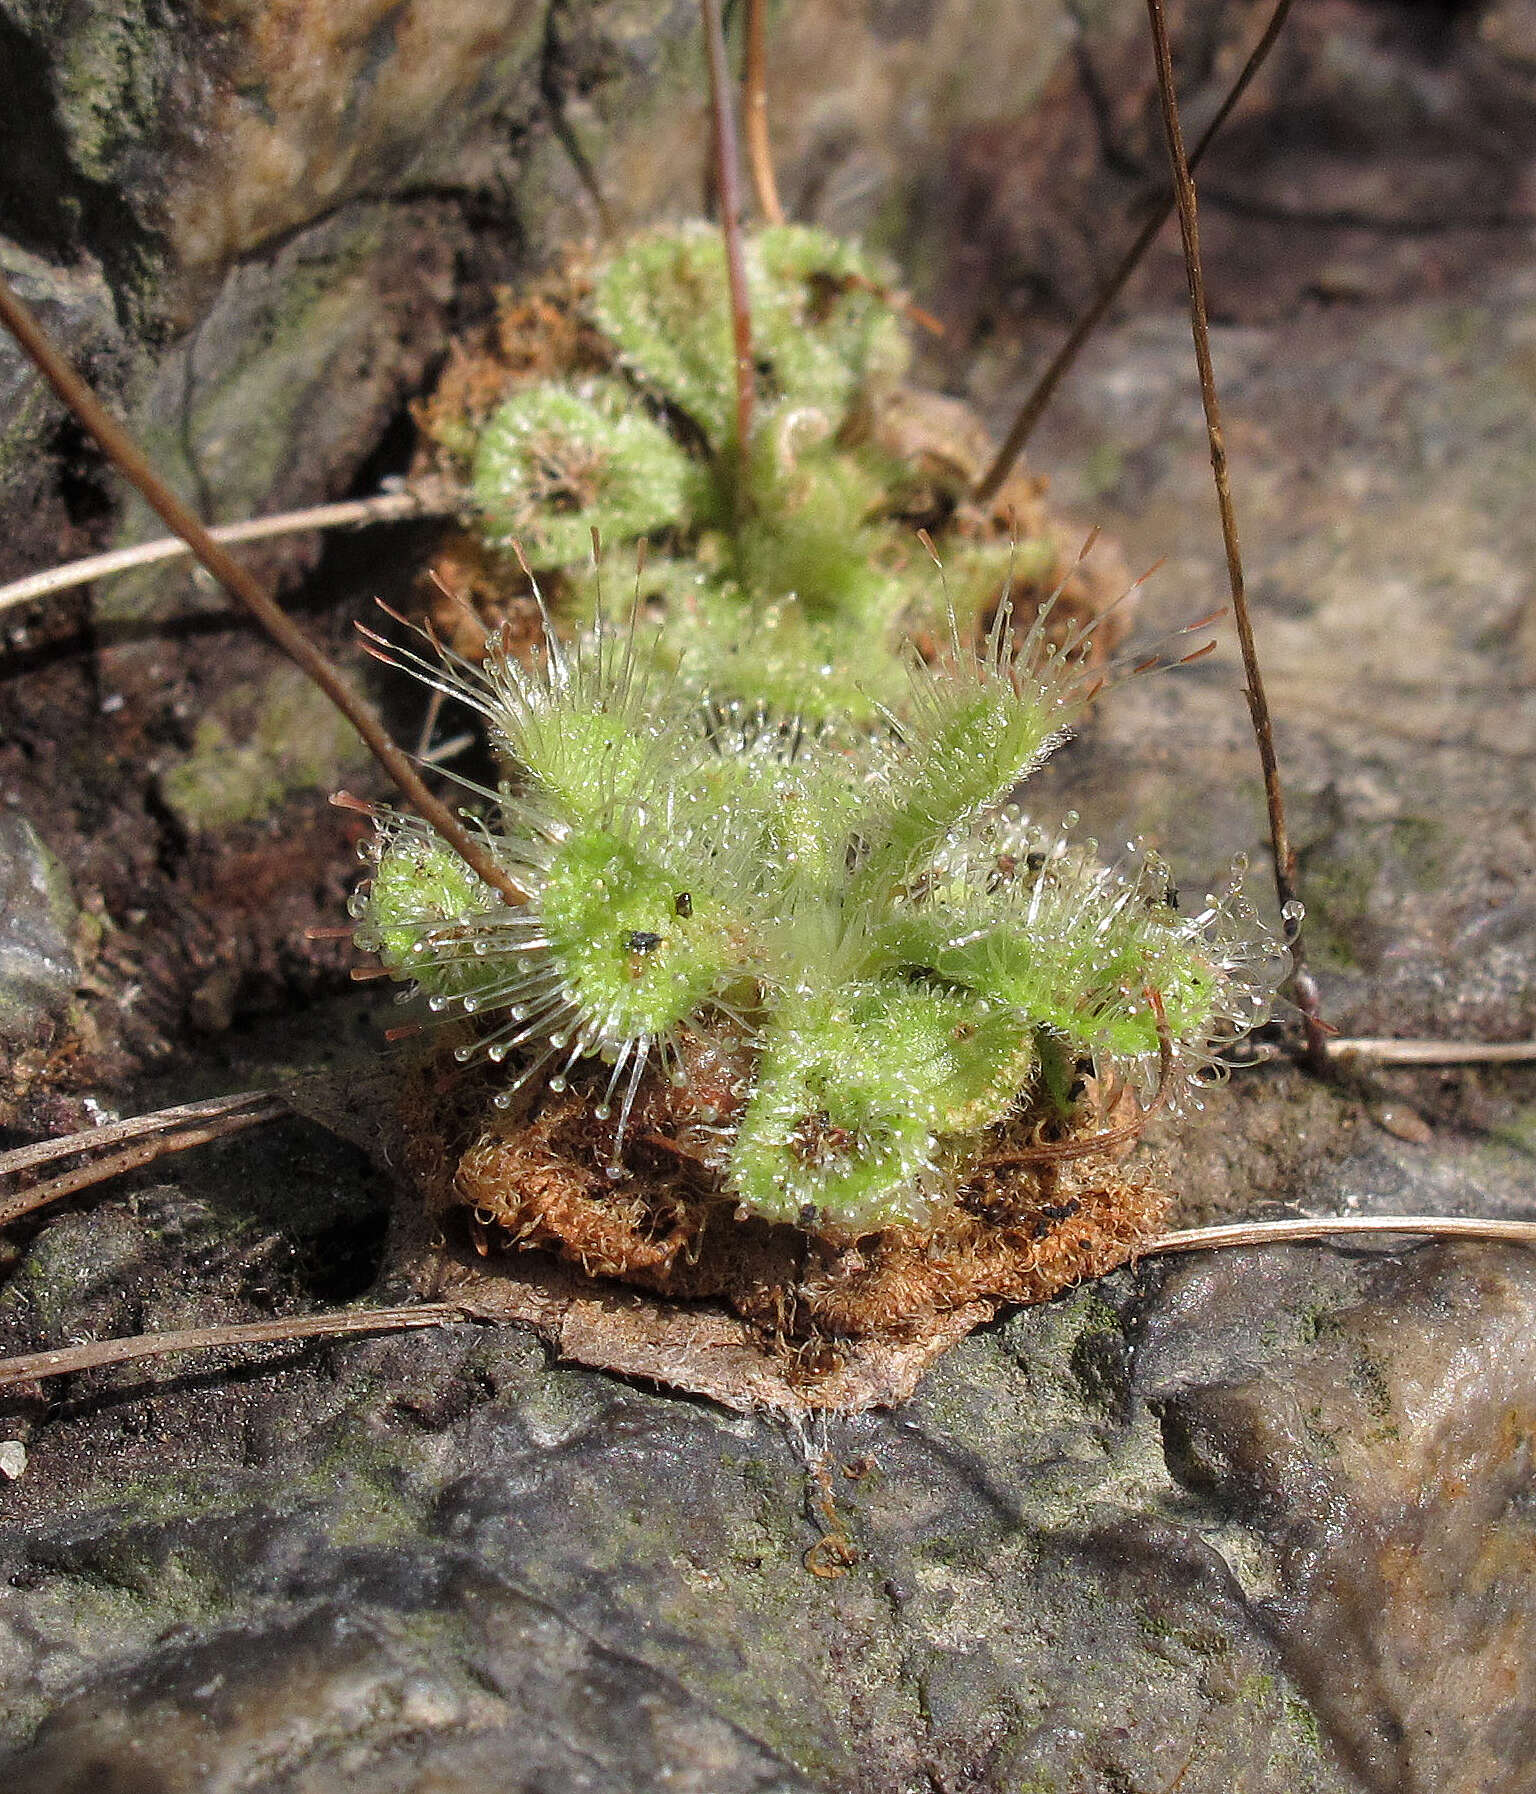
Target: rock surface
<point>1372,1419</point>
<point>38,967</point>
<point>359,1565</point>
<point>1256,1523</point>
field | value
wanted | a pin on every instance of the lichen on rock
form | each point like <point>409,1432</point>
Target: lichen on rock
<point>255,747</point>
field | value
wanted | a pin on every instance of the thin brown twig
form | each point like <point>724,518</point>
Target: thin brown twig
<point>728,187</point>
<point>144,1150</point>
<point>1062,1152</point>
<point>1267,1233</point>
<point>31,1367</point>
<point>1033,408</point>
<point>1435,1052</point>
<point>1302,983</point>
<point>247,591</point>
<point>351,513</point>
<point>113,1133</point>
<point>754,94</point>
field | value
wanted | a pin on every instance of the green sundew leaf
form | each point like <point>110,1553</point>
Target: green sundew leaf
<point>970,1058</point>
<point>553,464</point>
<point>821,331</point>
<point>1084,975</point>
<point>596,733</point>
<point>831,1131</point>
<point>806,536</point>
<point>665,303</point>
<point>971,738</point>
<point>824,326</point>
<point>778,657</point>
<point>810,824</point>
<point>639,950</point>
<point>1111,944</point>
<point>422,901</point>
<point>587,764</point>
<point>854,1091</point>
<point>1189,985</point>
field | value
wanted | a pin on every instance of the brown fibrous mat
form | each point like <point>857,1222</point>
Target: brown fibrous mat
<point>529,1188</point>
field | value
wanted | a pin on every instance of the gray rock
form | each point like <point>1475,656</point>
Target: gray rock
<point>38,966</point>
<point>378,1692</point>
<point>1370,1421</point>
<point>74,306</point>
<point>389,1557</point>
<point>1253,1523</point>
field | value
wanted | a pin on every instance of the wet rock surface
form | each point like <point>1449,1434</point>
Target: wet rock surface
<point>38,967</point>
<point>1372,1419</point>
<point>376,1540</point>
<point>1258,1521</point>
<point>421,1670</point>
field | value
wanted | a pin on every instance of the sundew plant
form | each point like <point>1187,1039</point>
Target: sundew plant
<point>904,962</point>
<point>787,565</point>
<point>748,921</point>
<point>775,827</point>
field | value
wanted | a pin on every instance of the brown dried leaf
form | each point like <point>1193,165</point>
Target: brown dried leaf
<point>695,1348</point>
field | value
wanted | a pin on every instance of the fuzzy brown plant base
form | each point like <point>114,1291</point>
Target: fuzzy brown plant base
<point>655,1277</point>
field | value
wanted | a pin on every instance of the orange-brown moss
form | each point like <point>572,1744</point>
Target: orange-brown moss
<point>535,1180</point>
<point>538,333</point>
